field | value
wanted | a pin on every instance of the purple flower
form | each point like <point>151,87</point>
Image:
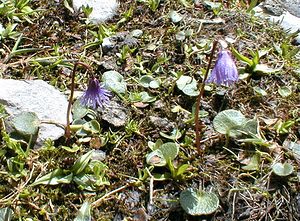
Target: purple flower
<point>95,95</point>
<point>225,71</point>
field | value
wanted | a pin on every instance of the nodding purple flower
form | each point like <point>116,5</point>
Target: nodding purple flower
<point>225,71</point>
<point>95,95</point>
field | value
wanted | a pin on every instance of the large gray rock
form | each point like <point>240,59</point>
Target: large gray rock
<point>102,9</point>
<point>278,7</point>
<point>284,12</point>
<point>36,96</point>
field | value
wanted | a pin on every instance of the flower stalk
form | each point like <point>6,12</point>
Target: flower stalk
<point>68,129</point>
<point>201,86</point>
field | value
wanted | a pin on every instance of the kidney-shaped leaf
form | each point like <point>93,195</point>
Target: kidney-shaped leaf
<point>26,123</point>
<point>229,121</point>
<point>160,156</point>
<point>187,85</point>
<point>169,150</point>
<point>114,81</point>
<point>284,169</point>
<point>197,203</point>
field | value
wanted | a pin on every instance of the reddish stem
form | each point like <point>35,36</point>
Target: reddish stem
<point>197,124</point>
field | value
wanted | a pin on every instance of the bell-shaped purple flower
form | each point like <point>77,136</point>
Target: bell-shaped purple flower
<point>95,95</point>
<point>225,71</point>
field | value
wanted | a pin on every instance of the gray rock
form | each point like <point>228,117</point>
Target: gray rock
<point>102,9</point>
<point>161,123</point>
<point>114,113</point>
<point>115,42</point>
<point>278,7</point>
<point>282,16</point>
<point>137,33</point>
<point>36,96</point>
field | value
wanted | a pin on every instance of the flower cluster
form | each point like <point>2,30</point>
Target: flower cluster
<point>95,95</point>
<point>225,71</point>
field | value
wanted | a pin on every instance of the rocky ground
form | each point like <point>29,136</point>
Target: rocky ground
<point>105,170</point>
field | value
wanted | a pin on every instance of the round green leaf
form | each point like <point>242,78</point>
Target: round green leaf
<point>180,36</point>
<point>145,80</point>
<point>146,98</point>
<point>187,85</point>
<point>26,123</point>
<point>169,150</point>
<point>175,16</point>
<point>197,203</point>
<point>114,81</point>
<point>284,169</point>
<point>228,121</point>
<point>159,157</point>
<point>285,91</point>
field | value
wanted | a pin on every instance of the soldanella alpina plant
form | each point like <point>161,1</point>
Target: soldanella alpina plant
<point>224,73</point>
<point>95,95</point>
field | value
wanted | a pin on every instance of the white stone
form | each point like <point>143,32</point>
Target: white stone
<point>1,28</point>
<point>102,9</point>
<point>39,97</point>
<point>287,21</point>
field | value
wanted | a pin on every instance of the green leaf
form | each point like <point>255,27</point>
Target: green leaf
<point>250,127</point>
<point>146,98</point>
<point>72,149</point>
<point>148,81</point>
<point>263,68</point>
<point>175,16</point>
<point>182,169</point>
<point>160,156</point>
<point>260,91</point>
<point>284,169</point>
<point>253,165</point>
<point>84,213</point>
<point>241,57</point>
<point>156,145</point>
<point>229,121</point>
<point>6,214</point>
<point>79,111</point>
<point>26,123</point>
<point>285,91</point>
<point>156,158</point>
<point>82,162</point>
<point>180,36</point>
<point>187,85</point>
<point>114,81</point>
<point>90,127</point>
<point>252,4</point>
<point>161,177</point>
<point>169,150</point>
<point>175,134</point>
<point>197,203</point>
<point>55,177</point>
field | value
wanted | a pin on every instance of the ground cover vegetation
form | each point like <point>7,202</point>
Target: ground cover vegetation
<point>242,165</point>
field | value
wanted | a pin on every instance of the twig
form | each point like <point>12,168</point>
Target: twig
<point>150,186</point>
<point>197,125</point>
<point>68,129</point>
<point>98,201</point>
